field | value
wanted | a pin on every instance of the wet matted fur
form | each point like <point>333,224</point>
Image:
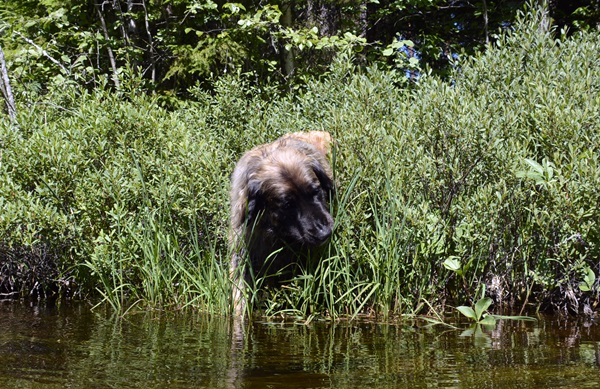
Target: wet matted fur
<point>279,207</point>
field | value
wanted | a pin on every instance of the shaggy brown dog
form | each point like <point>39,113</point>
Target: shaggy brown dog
<point>279,194</point>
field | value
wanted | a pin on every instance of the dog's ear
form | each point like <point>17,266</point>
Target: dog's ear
<point>324,178</point>
<point>255,200</point>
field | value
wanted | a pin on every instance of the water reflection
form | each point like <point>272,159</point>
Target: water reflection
<point>68,345</point>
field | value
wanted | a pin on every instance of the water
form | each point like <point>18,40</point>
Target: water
<point>70,346</point>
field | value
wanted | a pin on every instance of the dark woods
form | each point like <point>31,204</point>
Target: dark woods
<point>179,43</point>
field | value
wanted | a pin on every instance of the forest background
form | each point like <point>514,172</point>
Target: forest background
<point>469,162</point>
<point>175,44</point>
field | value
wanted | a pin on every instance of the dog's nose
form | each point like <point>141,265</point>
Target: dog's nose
<point>322,231</point>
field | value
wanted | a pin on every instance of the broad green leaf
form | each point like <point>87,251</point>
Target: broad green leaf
<point>588,281</point>
<point>481,306</point>
<point>452,263</point>
<point>583,286</point>
<point>536,166</point>
<point>590,277</point>
<point>467,311</point>
<point>489,320</point>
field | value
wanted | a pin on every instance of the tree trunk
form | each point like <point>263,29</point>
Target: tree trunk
<point>363,20</point>
<point>324,16</point>
<point>287,56</point>
<point>485,22</point>
<point>5,88</point>
<point>150,43</point>
<point>111,56</point>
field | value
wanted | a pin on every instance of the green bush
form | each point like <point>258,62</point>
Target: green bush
<point>495,171</point>
<point>488,180</point>
<point>108,181</point>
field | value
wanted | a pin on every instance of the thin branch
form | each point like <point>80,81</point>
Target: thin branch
<point>5,87</point>
<point>486,22</point>
<point>122,26</point>
<point>44,52</point>
<point>111,55</point>
<point>150,42</point>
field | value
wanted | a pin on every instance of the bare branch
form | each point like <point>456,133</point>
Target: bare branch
<point>44,52</point>
<point>5,88</point>
<point>150,42</point>
<point>111,55</point>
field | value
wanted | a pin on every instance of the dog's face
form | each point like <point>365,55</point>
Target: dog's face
<point>289,196</point>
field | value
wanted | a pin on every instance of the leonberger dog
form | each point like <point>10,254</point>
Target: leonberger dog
<point>279,208</point>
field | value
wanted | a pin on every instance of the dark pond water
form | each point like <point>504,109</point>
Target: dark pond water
<point>70,346</point>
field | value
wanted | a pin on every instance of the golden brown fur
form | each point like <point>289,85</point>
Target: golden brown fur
<point>279,194</point>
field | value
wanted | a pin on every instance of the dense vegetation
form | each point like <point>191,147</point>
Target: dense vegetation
<point>489,179</point>
<point>175,43</point>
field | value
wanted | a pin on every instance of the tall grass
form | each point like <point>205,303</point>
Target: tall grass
<point>162,263</point>
<point>488,179</point>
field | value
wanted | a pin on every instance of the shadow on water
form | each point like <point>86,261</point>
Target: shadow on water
<point>70,346</point>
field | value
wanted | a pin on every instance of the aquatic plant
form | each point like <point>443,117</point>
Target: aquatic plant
<point>480,316</point>
<point>589,279</point>
<point>478,312</point>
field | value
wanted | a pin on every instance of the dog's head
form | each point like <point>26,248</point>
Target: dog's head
<point>288,197</point>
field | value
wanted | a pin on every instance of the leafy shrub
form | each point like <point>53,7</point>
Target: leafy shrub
<point>496,170</point>
<point>489,180</point>
<point>95,174</point>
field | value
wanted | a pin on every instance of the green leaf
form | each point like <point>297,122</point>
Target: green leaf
<point>584,287</point>
<point>481,306</point>
<point>522,318</point>
<point>234,8</point>
<point>489,320</point>
<point>452,263</point>
<point>535,166</point>
<point>590,277</point>
<point>467,311</point>
<point>588,281</point>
